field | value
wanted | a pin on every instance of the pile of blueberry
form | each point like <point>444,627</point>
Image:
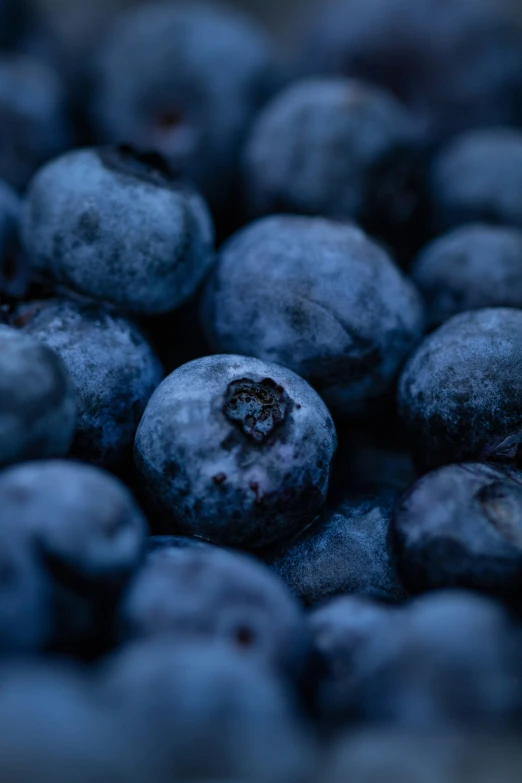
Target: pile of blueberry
<point>261,396</point>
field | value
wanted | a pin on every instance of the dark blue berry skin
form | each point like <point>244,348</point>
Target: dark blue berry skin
<point>14,273</point>
<point>319,297</point>
<point>89,535</point>
<point>208,593</point>
<point>460,394</point>
<point>450,659</point>
<point>201,73</point>
<point>347,550</point>
<point>235,450</point>
<point>477,177</point>
<point>469,268</point>
<point>33,119</point>
<point>456,64</point>
<point>461,525</point>
<point>114,368</point>
<point>208,712</point>
<point>115,225</point>
<point>25,596</point>
<point>160,543</point>
<point>38,400</point>
<point>338,148</point>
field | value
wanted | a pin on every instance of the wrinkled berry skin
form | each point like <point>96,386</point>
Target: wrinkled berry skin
<point>348,550</point>
<point>208,712</point>
<point>115,225</point>
<point>235,450</point>
<point>87,531</point>
<point>477,177</point>
<point>461,526</point>
<point>460,394</point>
<point>38,400</point>
<point>208,593</point>
<point>114,368</point>
<point>428,53</point>
<point>318,297</point>
<point>33,119</point>
<point>471,267</point>
<point>332,147</point>
<point>448,660</point>
<point>13,272</point>
<point>201,72</point>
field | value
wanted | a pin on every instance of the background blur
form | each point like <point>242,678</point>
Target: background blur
<point>86,18</point>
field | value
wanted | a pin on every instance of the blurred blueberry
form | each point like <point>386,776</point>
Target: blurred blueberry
<point>200,73</point>
<point>471,267</point>
<point>88,533</point>
<point>37,400</point>
<point>478,177</point>
<point>210,593</point>
<point>235,450</point>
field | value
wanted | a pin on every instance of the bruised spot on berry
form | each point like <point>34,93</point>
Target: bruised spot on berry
<point>257,408</point>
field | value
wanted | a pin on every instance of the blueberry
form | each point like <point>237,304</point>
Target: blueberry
<point>457,63</point>
<point>478,177</point>
<point>235,450</point>
<point>347,550</point>
<point>460,395</point>
<point>33,119</point>
<point>25,596</point>
<point>450,659</point>
<point>207,711</point>
<point>462,526</point>
<point>318,297</point>
<point>116,225</point>
<point>88,532</point>
<point>471,267</point>
<point>37,400</point>
<point>14,274</point>
<point>114,368</point>
<point>333,147</point>
<point>209,593</point>
<point>200,74</point>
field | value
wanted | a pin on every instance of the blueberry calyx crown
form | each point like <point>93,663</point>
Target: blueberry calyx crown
<point>258,408</point>
<point>141,164</point>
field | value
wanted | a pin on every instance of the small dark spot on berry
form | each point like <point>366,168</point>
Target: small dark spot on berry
<point>219,478</point>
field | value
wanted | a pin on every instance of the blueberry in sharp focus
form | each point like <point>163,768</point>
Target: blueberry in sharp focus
<point>113,366</point>
<point>460,394</point>
<point>209,712</point>
<point>116,225</point>
<point>478,177</point>
<point>235,450</point>
<point>461,525</point>
<point>450,659</point>
<point>348,550</point>
<point>33,119</point>
<point>208,593</point>
<point>88,532</point>
<point>37,400</point>
<point>471,267</point>
<point>337,148</point>
<point>200,73</point>
<point>319,297</point>
<point>456,64</point>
